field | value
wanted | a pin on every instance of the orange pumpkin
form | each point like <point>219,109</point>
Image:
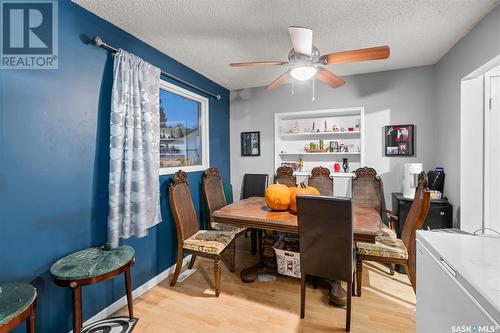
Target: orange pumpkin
<point>302,189</point>
<point>278,197</point>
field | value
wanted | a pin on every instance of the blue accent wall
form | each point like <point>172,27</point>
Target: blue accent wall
<point>54,138</point>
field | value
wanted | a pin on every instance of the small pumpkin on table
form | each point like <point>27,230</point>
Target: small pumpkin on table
<point>278,197</point>
<point>302,189</point>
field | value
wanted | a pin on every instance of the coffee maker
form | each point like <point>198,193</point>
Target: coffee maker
<point>410,178</point>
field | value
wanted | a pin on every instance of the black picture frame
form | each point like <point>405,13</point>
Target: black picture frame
<point>250,143</point>
<point>399,140</point>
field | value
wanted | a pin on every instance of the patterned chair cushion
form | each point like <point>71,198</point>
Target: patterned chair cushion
<point>209,241</point>
<point>384,246</point>
<point>227,227</point>
<point>386,231</point>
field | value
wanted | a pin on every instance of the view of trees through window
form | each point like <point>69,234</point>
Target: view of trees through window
<point>180,131</point>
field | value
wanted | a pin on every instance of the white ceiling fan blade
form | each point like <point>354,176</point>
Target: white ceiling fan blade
<point>301,39</point>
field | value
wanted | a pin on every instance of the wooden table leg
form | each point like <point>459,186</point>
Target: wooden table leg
<point>128,288</point>
<point>77,309</point>
<point>31,321</point>
<point>270,237</point>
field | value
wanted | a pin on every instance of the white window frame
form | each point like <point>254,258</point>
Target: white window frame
<point>204,112</point>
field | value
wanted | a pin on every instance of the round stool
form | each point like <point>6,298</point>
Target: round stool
<point>17,304</point>
<point>92,266</point>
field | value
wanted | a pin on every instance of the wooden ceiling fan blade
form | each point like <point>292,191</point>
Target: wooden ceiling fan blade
<point>301,39</point>
<point>279,81</point>
<point>372,53</point>
<point>258,63</point>
<point>329,78</point>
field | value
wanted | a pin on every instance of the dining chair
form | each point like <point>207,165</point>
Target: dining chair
<point>367,191</point>
<point>214,197</point>
<point>284,175</point>
<point>388,249</point>
<point>326,243</point>
<point>190,239</point>
<point>254,185</point>
<point>321,180</point>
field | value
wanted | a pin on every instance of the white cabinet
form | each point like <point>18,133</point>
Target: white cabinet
<point>448,297</point>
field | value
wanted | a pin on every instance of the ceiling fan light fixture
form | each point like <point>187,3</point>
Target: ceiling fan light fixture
<point>303,73</point>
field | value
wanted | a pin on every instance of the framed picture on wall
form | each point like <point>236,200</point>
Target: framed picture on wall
<point>399,140</point>
<point>250,144</point>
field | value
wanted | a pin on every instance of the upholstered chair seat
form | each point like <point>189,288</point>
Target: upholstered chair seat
<point>386,231</point>
<point>384,246</point>
<point>227,227</point>
<point>209,241</point>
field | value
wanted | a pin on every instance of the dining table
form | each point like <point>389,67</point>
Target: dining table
<point>254,213</point>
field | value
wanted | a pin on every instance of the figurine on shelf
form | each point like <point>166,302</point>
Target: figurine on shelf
<point>343,148</point>
<point>301,164</point>
<point>357,124</point>
<point>335,128</point>
<point>325,129</point>
<point>345,165</point>
<point>342,129</point>
<point>296,128</point>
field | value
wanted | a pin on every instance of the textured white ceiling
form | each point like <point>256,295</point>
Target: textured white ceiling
<point>207,35</point>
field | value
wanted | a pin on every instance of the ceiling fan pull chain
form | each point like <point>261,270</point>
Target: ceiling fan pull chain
<point>293,91</point>
<point>313,98</point>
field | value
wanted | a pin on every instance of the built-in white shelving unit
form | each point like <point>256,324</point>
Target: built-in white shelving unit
<point>294,132</point>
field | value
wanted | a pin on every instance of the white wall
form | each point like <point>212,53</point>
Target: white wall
<point>477,48</point>
<point>392,97</point>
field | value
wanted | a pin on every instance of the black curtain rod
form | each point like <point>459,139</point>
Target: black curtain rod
<point>97,41</point>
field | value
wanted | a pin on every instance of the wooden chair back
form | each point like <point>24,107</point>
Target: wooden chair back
<point>326,236</point>
<point>254,185</point>
<point>320,179</point>
<point>367,189</point>
<point>213,190</point>
<point>182,207</point>
<point>414,221</point>
<point>284,175</point>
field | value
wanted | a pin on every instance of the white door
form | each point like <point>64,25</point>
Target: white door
<point>492,152</point>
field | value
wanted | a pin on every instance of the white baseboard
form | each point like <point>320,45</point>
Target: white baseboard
<point>120,303</point>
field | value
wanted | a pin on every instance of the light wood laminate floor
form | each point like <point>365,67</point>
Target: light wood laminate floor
<point>387,303</point>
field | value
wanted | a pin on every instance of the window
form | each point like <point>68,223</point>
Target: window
<point>183,130</point>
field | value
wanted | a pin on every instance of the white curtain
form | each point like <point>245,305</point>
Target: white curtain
<point>134,198</point>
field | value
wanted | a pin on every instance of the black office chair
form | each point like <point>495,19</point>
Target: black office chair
<point>326,243</point>
<point>254,185</point>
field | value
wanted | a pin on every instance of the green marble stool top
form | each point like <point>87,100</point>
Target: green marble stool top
<point>91,263</point>
<point>15,297</point>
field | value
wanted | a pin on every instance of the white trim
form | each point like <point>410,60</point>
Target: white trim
<point>204,126</point>
<point>120,303</point>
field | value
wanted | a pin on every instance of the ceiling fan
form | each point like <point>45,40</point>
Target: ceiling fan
<point>304,60</point>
